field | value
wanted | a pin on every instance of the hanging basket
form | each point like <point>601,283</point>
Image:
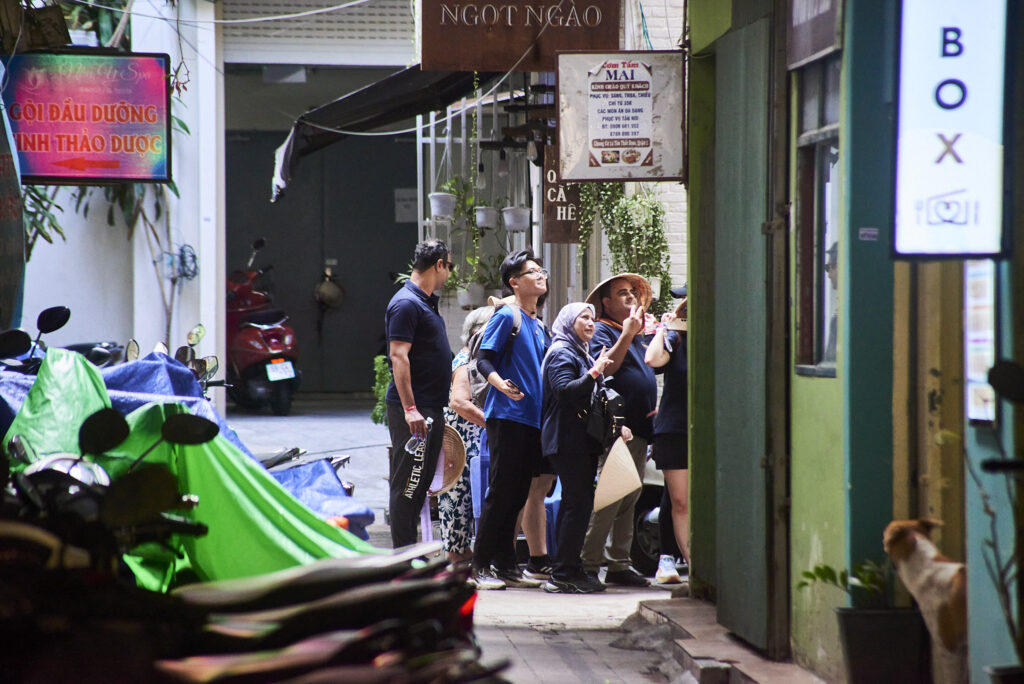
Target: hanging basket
<point>465,299</point>
<point>476,294</point>
<point>486,217</point>
<point>516,219</point>
<point>442,205</point>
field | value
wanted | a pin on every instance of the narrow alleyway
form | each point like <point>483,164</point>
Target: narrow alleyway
<point>545,637</point>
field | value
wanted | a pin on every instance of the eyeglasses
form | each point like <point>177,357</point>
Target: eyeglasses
<point>542,272</point>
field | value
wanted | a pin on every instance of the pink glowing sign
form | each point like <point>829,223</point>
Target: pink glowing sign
<point>90,117</point>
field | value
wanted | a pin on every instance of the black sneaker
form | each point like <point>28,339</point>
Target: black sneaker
<point>626,578</point>
<point>584,584</point>
<point>539,568</point>
<point>515,578</point>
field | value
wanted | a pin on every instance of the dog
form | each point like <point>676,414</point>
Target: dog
<point>939,585</point>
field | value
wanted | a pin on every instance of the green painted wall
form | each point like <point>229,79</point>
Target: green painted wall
<point>701,351</point>
<point>709,19</point>
<point>817,520</point>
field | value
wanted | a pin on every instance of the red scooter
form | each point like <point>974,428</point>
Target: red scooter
<point>261,346</point>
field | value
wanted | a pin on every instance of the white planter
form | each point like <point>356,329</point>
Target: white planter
<point>516,219</point>
<point>442,204</point>
<point>476,295</point>
<point>494,293</point>
<point>486,217</point>
<point>465,299</point>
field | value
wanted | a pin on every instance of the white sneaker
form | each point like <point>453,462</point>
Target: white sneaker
<point>667,573</point>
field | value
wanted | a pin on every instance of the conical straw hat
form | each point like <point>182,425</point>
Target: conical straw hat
<point>618,476</point>
<point>451,461</point>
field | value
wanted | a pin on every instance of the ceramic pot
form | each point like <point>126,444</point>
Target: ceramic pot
<point>442,204</point>
<point>884,646</point>
<point>516,219</point>
<point>486,217</point>
<point>464,299</point>
<point>476,295</point>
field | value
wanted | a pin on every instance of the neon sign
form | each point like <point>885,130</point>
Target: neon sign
<point>90,117</point>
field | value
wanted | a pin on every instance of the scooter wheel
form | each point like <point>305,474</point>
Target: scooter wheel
<point>281,399</point>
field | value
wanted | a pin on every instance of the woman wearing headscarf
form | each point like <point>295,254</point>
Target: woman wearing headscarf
<point>569,376</point>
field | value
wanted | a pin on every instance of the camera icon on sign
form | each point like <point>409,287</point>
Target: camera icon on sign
<point>949,208</point>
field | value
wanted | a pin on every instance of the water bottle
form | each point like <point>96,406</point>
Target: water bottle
<point>414,441</point>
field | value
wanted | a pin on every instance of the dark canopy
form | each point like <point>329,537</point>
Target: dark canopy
<point>400,96</point>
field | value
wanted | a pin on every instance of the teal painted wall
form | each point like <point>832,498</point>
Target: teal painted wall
<point>866,273</point>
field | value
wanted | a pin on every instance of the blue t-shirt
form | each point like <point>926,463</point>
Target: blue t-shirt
<point>521,365</point>
<point>634,380</point>
<point>412,316</point>
<point>671,416</point>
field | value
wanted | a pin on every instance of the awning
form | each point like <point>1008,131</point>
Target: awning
<point>400,96</point>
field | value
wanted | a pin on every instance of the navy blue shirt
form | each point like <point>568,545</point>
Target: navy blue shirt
<point>671,416</point>
<point>412,317</point>
<point>634,380</point>
<point>521,365</point>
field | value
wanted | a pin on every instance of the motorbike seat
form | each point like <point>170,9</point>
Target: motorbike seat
<point>265,317</point>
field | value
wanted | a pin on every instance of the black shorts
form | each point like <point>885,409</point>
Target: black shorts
<point>670,451</point>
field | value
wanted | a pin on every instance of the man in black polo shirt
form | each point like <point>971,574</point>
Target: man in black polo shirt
<point>420,360</point>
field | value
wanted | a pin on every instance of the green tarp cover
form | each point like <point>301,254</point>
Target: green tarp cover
<point>255,525</point>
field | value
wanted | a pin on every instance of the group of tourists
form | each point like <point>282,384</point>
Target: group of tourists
<point>541,383</point>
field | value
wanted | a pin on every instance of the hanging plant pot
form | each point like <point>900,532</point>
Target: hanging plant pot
<point>516,219</point>
<point>442,204</point>
<point>476,295</point>
<point>486,217</point>
<point>465,299</point>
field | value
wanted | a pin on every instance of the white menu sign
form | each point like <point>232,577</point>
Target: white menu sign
<point>949,164</point>
<point>621,115</point>
<point>979,338</point>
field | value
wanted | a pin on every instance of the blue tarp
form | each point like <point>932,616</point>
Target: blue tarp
<point>160,378</point>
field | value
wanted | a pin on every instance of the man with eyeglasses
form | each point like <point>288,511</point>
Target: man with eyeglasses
<point>420,360</point>
<point>620,302</point>
<point>512,412</point>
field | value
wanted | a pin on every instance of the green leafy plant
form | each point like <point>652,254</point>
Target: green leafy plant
<point>637,242</point>
<point>869,585</point>
<point>381,380</point>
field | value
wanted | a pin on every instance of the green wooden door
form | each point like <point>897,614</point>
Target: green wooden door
<point>741,276</point>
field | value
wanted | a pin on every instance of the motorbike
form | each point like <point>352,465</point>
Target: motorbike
<point>262,347</point>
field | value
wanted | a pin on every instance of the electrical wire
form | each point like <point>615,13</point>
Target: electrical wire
<point>250,20</point>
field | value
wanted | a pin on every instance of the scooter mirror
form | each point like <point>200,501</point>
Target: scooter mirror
<point>161,348</point>
<point>195,335</point>
<point>185,355</point>
<point>102,431</point>
<point>212,366</point>
<point>52,319</point>
<point>198,367</point>
<point>139,496</point>
<point>14,343</point>
<point>1007,379</point>
<point>186,428</point>
<point>131,351</point>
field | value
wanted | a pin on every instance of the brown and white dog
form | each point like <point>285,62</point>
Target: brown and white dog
<point>939,585</point>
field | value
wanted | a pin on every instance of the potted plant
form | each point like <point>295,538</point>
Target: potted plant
<point>381,380</point>
<point>637,242</point>
<point>880,642</point>
<point>476,280</point>
<point>442,204</point>
<point>486,217</point>
<point>516,219</point>
<point>1002,563</point>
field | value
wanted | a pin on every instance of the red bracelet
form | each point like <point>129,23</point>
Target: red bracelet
<point>410,408</point>
<point>593,373</point>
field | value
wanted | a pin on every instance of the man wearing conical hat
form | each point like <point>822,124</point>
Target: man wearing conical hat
<point>620,303</point>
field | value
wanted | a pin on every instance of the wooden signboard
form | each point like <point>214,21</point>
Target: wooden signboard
<point>561,203</point>
<point>514,35</point>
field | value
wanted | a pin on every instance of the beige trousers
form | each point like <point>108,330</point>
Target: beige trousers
<point>610,535</point>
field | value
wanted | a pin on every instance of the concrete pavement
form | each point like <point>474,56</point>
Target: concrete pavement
<point>621,635</point>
